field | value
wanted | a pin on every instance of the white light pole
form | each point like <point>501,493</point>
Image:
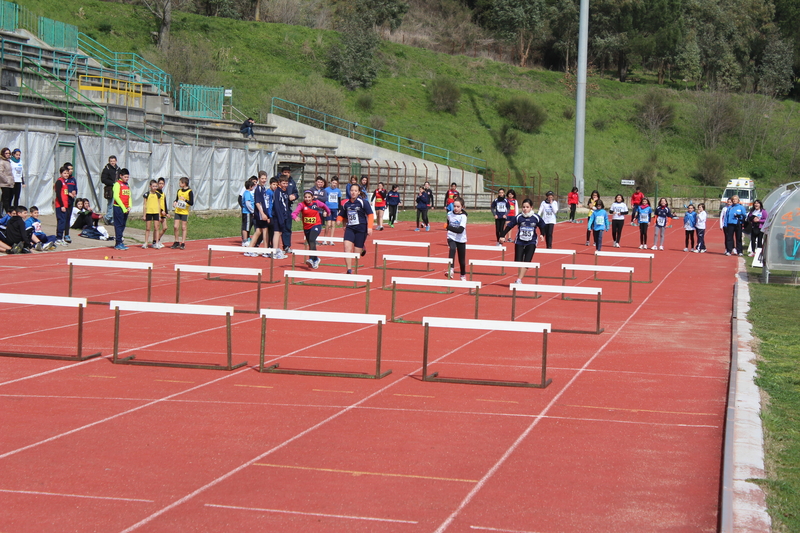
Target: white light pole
<point>580,98</point>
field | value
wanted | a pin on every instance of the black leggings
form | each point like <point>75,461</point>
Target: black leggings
<point>616,229</point>
<point>461,248</point>
<point>643,232</point>
<point>548,235</point>
<point>424,214</point>
<point>756,237</point>
<point>392,214</point>
<point>572,208</point>
<point>689,239</point>
<point>523,253</point>
<point>499,225</point>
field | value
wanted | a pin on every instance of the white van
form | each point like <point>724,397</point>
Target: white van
<point>744,188</point>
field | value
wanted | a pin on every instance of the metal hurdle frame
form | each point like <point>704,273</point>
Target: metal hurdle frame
<point>556,251</point>
<point>241,250</point>
<point>494,325</point>
<point>320,316</point>
<point>52,301</point>
<point>487,248</point>
<point>632,255</point>
<point>130,265</point>
<point>413,259</point>
<point>295,274</point>
<point>181,309</point>
<point>208,270</point>
<point>596,269</point>
<point>536,289</point>
<point>407,244</point>
<point>323,253</point>
<point>449,283</point>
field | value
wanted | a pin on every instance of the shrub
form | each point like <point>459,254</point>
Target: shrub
<point>711,168</point>
<point>646,176</point>
<point>599,124</point>
<point>445,95</point>
<point>524,113</point>
<point>352,62</point>
<point>377,122</point>
<point>569,113</point>
<point>654,114</point>
<point>364,101</point>
<point>508,141</point>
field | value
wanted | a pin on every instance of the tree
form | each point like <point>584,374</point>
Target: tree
<point>716,116</point>
<point>352,62</point>
<point>563,17</point>
<point>161,10</point>
<point>654,114</point>
<point>519,21</point>
<point>775,71</point>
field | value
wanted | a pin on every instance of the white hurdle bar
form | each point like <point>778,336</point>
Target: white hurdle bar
<point>599,268</point>
<point>427,282</point>
<point>557,289</point>
<point>239,250</point>
<point>487,248</point>
<point>502,265</point>
<point>321,316</point>
<point>405,244</point>
<point>52,301</point>
<point>100,263</point>
<point>229,271</point>
<point>181,309</point>
<point>628,255</point>
<point>337,240</point>
<point>322,253</point>
<point>412,259</point>
<point>488,325</point>
<point>555,251</point>
<point>324,276</point>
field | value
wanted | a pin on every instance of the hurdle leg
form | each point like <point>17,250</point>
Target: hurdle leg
<point>477,298</point>
<point>383,278</point>
<point>258,293</point>
<point>428,264</point>
<point>375,261</point>
<point>271,264</point>
<point>286,293</point>
<point>545,382</point>
<point>599,329</point>
<point>366,310</point>
<point>263,343</point>
<point>394,298</point>
<point>209,257</point>
<point>70,281</point>
<point>630,288</point>
<point>650,278</point>
<point>378,374</point>
<point>149,282</point>
<point>536,276</point>
<point>178,286</point>
<point>80,330</point>
<point>425,376</point>
<point>513,304</point>
<point>502,269</point>
<point>471,269</point>
<point>230,366</point>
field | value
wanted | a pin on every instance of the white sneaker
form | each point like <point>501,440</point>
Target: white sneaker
<point>158,245</point>
<point>279,255</point>
<point>654,247</point>
<point>463,278</point>
<point>315,265</point>
<point>448,273</point>
<point>587,243</point>
<point>616,245</point>
<point>250,254</point>
<point>310,263</point>
<point>660,247</point>
<point>144,246</point>
<point>519,280</point>
<point>696,251</point>
<point>685,249</point>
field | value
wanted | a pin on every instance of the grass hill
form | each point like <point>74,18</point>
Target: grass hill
<point>260,60</point>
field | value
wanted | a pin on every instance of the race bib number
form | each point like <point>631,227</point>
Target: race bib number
<point>661,221</point>
<point>181,204</point>
<point>309,220</point>
<point>644,218</point>
<point>352,218</point>
<point>526,233</point>
<point>501,208</point>
<point>333,197</point>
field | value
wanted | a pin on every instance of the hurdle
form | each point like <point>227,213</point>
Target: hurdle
<point>491,325</point>
<point>240,250</point>
<point>631,255</point>
<point>322,253</point>
<point>536,289</point>
<point>337,240</point>
<point>52,301</point>
<point>180,309</point>
<point>502,265</point>
<point>324,276</point>
<point>412,259</point>
<point>483,247</point>
<point>426,282</point>
<point>319,316</point>
<point>555,251</point>
<point>600,268</point>
<point>406,244</point>
<point>130,265</point>
<point>230,271</point>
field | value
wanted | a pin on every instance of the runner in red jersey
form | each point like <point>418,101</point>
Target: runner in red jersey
<point>312,212</point>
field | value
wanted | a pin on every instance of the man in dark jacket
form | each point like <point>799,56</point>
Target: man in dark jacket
<point>109,177</point>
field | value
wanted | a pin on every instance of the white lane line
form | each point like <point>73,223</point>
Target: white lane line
<point>449,520</point>
<point>482,528</point>
<point>325,515</point>
<point>86,496</point>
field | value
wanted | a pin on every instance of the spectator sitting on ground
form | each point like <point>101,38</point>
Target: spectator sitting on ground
<point>247,128</point>
<point>38,238</point>
<point>16,235</point>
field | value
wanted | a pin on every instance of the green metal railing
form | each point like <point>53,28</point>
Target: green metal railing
<point>58,34</point>
<point>126,62</point>
<point>45,85</point>
<point>8,16</point>
<point>375,137</point>
<point>199,101</point>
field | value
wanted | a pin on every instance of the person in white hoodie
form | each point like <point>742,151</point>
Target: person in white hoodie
<point>547,211</point>
<point>618,211</point>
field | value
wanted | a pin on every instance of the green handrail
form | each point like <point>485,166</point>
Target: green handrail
<point>126,61</point>
<point>380,138</point>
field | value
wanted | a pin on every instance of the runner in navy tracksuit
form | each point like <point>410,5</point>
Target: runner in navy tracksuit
<point>525,245</point>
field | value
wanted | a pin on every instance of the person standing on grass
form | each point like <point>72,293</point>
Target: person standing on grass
<point>108,178</point>
<point>379,198</point>
<point>663,214</point>
<point>525,243</point>
<point>333,198</point>
<point>636,200</point>
<point>700,228</point>
<point>548,210</point>
<point>457,238</point>
<point>184,199</point>
<point>122,206</point>
<point>735,216</point>
<point>357,215</point>
<point>423,204</point>
<point>643,215</point>
<point>598,221</point>
<point>499,210</point>
<point>689,226</point>
<point>573,200</point>
<point>590,203</point>
<point>314,213</point>
<point>393,200</point>
<point>618,212</point>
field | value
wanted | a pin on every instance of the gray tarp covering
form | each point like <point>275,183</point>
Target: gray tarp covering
<point>216,174</point>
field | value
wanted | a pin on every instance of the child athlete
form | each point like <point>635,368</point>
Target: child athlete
<point>573,200</point>
<point>590,203</point>
<point>689,226</point>
<point>358,217</point>
<point>333,197</point>
<point>547,211</point>
<point>644,213</point>
<point>457,237</point>
<point>312,211</point>
<point>499,210</point>
<point>379,197</point>
<point>525,244</point>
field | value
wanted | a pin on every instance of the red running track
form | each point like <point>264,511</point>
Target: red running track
<point>628,436</point>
